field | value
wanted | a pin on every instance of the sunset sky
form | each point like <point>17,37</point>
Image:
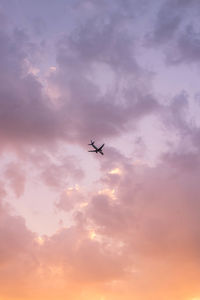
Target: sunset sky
<point>76,225</point>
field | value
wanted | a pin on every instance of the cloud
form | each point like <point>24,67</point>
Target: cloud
<point>176,113</point>
<point>156,219</point>
<point>184,162</point>
<point>17,254</point>
<point>137,231</point>
<point>168,20</point>
<point>16,176</point>
<point>70,198</point>
<point>25,114</point>
<point>179,116</point>
<point>102,42</point>
<point>187,50</point>
<point>30,117</point>
<point>152,223</point>
<point>175,30</point>
<point>56,174</point>
<point>87,260</point>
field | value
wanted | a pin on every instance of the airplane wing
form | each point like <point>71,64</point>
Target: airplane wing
<point>92,151</point>
<point>94,147</point>
<point>101,147</point>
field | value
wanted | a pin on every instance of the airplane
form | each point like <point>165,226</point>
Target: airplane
<point>97,150</point>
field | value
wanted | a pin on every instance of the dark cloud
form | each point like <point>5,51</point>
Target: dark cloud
<point>168,20</point>
<point>27,113</point>
<point>103,40</point>
<point>187,47</point>
<point>175,114</point>
<point>104,43</point>
<point>176,29</point>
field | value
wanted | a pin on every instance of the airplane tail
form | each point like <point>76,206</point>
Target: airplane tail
<point>92,143</point>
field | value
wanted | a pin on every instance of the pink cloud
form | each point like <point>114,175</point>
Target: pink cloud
<point>138,236</point>
<point>16,176</point>
<point>153,224</point>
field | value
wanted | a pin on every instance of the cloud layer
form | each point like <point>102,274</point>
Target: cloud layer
<point>124,226</point>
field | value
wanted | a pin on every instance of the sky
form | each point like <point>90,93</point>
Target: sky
<point>82,226</point>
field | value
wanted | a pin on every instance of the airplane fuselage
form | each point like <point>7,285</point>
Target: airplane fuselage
<point>95,147</point>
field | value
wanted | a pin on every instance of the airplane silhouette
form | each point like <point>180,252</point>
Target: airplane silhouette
<point>97,150</point>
